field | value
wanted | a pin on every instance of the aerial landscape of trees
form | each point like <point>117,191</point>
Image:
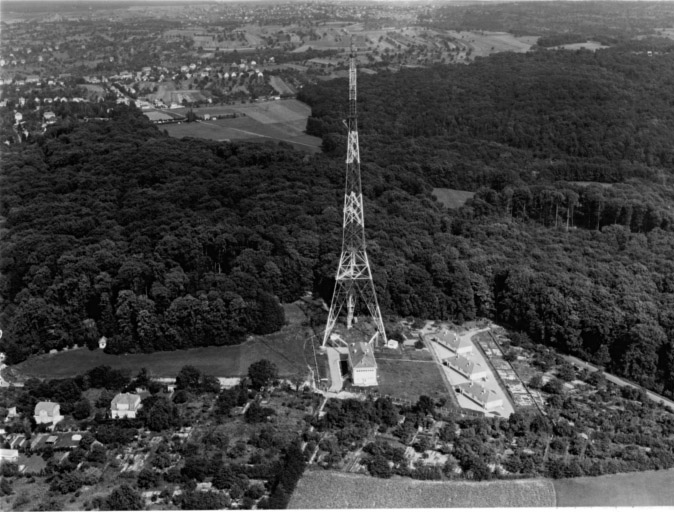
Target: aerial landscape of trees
<point>114,229</point>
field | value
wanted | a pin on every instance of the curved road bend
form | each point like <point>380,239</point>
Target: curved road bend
<point>621,382</point>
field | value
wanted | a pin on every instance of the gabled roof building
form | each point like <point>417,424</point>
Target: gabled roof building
<point>452,341</point>
<point>485,398</point>
<point>125,405</point>
<point>363,364</point>
<point>47,412</point>
<point>469,369</point>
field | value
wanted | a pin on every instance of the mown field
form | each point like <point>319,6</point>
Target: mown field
<point>410,379</point>
<point>285,348</point>
<point>283,120</point>
<point>452,198</point>
<point>330,489</point>
<point>647,489</point>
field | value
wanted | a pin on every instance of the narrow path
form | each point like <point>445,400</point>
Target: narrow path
<point>450,389</point>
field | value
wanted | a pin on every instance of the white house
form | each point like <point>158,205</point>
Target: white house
<point>125,405</point>
<point>47,412</point>
<point>485,398</point>
<point>363,365</point>
<point>103,342</point>
<point>7,455</point>
<point>469,369</point>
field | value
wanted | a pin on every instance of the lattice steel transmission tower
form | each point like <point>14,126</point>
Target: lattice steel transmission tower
<point>354,277</point>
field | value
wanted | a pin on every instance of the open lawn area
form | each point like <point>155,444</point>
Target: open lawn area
<point>647,489</point>
<point>285,348</point>
<point>452,198</point>
<point>283,120</point>
<point>410,379</point>
<point>331,489</point>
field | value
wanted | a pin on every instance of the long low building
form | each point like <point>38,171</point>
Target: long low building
<point>451,341</point>
<point>469,369</point>
<point>486,399</point>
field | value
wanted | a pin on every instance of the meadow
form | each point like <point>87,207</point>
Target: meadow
<point>283,120</point>
<point>284,348</point>
<point>409,379</point>
<point>330,489</point>
<point>646,489</point>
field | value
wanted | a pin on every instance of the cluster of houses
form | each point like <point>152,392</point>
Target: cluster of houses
<point>474,371</point>
<point>123,405</point>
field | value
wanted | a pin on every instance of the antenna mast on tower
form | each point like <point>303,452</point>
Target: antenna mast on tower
<point>353,281</point>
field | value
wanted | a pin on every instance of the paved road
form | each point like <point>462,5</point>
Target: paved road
<point>620,382</point>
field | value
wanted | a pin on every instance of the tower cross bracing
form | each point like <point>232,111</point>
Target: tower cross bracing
<point>353,281</point>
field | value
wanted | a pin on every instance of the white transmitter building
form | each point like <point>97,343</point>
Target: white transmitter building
<point>362,364</point>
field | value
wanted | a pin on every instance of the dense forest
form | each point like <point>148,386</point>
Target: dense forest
<point>569,236</point>
<point>557,22</point>
<point>112,228</point>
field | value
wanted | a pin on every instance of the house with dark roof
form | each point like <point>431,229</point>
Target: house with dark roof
<point>47,412</point>
<point>363,365</point>
<point>125,405</point>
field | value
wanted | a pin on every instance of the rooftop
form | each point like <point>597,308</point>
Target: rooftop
<point>361,355</point>
<point>49,408</point>
<point>464,365</point>
<point>128,399</point>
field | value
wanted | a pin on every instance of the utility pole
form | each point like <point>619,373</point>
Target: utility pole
<point>353,281</point>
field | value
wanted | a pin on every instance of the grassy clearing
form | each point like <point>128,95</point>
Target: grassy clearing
<point>285,348</point>
<point>647,489</point>
<point>329,489</point>
<point>587,45</point>
<point>280,120</point>
<point>410,379</point>
<point>281,87</point>
<point>452,198</point>
<point>588,183</point>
